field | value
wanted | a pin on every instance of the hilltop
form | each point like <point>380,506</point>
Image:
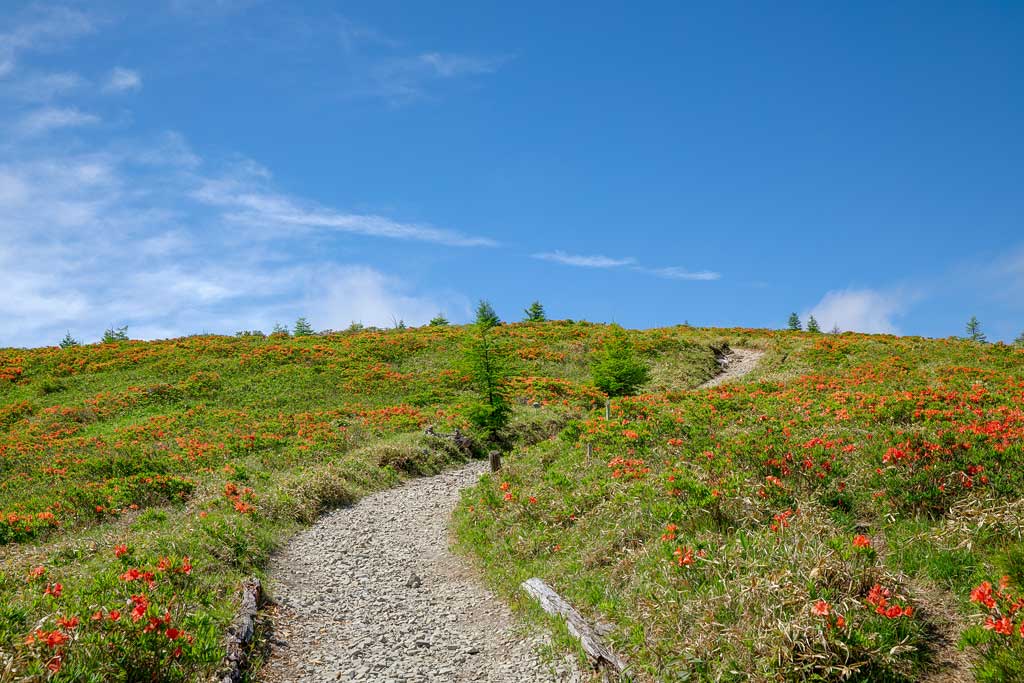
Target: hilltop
<point>752,527</point>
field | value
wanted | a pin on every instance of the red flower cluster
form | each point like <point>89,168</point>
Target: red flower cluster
<point>861,541</point>
<point>878,597</point>
<point>1002,605</point>
<point>630,468</point>
<point>821,608</point>
<point>240,497</point>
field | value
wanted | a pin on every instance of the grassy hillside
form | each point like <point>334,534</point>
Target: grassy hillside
<point>850,511</point>
<point>140,481</point>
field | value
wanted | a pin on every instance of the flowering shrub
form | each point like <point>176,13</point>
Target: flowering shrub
<point>214,447</point>
<point>733,524</point>
<point>1000,638</point>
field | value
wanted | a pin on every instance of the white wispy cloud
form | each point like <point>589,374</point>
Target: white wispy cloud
<point>677,273</point>
<point>365,295</point>
<point>40,28</point>
<point>860,310</point>
<point>600,261</point>
<point>583,261</point>
<point>46,119</point>
<point>122,80</point>
<point>42,87</point>
<point>246,202</point>
<point>93,240</point>
<point>406,79</point>
<point>355,36</point>
<point>454,65</point>
<point>209,8</point>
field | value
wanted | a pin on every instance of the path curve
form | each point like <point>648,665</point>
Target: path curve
<point>372,592</point>
<point>349,608</point>
<point>735,364</point>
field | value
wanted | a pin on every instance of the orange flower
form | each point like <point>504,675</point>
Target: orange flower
<point>1001,625</point>
<point>66,623</point>
<point>821,608</point>
<point>983,594</point>
<point>120,549</point>
<point>684,556</point>
<point>861,541</point>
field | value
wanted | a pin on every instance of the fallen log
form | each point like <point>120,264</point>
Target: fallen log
<point>241,633</point>
<point>552,603</point>
<point>462,441</point>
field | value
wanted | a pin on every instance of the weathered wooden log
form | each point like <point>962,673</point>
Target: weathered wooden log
<point>463,441</point>
<point>495,460</point>
<point>552,603</point>
<point>241,633</point>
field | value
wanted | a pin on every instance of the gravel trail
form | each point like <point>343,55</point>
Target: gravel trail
<point>372,592</point>
<point>735,364</point>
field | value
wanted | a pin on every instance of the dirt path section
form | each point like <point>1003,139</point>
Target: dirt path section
<point>372,592</point>
<point>735,364</point>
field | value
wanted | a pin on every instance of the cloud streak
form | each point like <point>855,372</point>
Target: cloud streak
<point>601,261</point>
<point>41,29</point>
<point>245,202</point>
<point>47,119</point>
<point>122,80</point>
<point>583,261</point>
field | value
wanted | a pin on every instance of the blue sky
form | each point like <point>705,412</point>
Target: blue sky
<point>182,166</point>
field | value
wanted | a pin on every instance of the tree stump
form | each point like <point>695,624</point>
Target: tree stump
<point>495,460</point>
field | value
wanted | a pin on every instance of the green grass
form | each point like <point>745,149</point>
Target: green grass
<point>217,450</point>
<point>712,528</point>
<point>707,525</point>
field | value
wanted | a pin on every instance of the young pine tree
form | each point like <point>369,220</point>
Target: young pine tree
<point>490,366</point>
<point>812,325</point>
<point>1019,341</point>
<point>486,315</point>
<point>280,331</point>
<point>617,369</point>
<point>68,341</point>
<point>974,332</point>
<point>438,320</point>
<point>794,323</point>
<point>113,335</point>
<point>302,328</point>
<point>535,313</point>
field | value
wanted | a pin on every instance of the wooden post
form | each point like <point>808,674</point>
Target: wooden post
<point>590,452</point>
<point>607,409</point>
<point>495,461</point>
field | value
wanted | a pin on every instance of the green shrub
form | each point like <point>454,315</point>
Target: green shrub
<point>616,369</point>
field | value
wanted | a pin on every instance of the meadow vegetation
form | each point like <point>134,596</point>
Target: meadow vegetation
<point>851,510</point>
<point>141,481</point>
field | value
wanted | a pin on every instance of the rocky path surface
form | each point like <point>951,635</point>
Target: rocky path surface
<point>735,364</point>
<point>372,592</point>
